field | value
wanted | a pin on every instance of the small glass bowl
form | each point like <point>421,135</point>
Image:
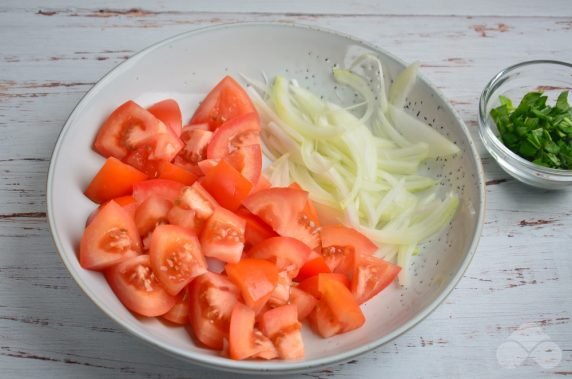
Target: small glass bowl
<point>550,77</point>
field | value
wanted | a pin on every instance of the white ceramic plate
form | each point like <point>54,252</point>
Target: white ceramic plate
<point>185,67</point>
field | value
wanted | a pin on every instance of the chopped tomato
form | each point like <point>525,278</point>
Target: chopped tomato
<point>245,341</point>
<point>261,184</point>
<point>288,254</point>
<point>207,165</point>
<point>281,325</point>
<point>341,236</point>
<point>195,145</point>
<point>238,132</point>
<point>315,285</point>
<point>200,126</point>
<point>248,161</point>
<point>179,314</point>
<point>283,210</point>
<point>371,275</point>
<point>303,301</point>
<point>176,257</point>
<point>167,189</point>
<point>337,311</point>
<point>169,112</point>
<point>113,179</point>
<point>224,102</point>
<point>309,209</point>
<point>109,239</point>
<point>137,287</point>
<point>126,129</point>
<point>223,236</point>
<point>182,217</point>
<point>150,213</point>
<point>170,171</point>
<point>312,267</point>
<point>256,230</point>
<point>227,186</point>
<point>197,199</point>
<point>256,279</point>
<point>213,297</point>
<point>281,293</point>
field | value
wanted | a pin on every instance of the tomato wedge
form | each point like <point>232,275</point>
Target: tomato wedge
<point>223,236</point>
<point>147,156</point>
<point>137,287</point>
<point>281,325</point>
<point>248,161</point>
<point>176,257</point>
<point>225,101</point>
<point>245,340</point>
<point>195,145</point>
<point>110,238</point>
<point>198,200</point>
<point>150,213</point>
<point>179,314</point>
<point>341,236</point>
<point>182,217</point>
<point>170,171</point>
<point>226,185</point>
<point>283,210</point>
<point>127,128</point>
<point>167,189</point>
<point>212,298</point>
<point>256,279</point>
<point>303,301</point>
<point>256,230</point>
<point>371,275</point>
<point>313,266</point>
<point>114,179</point>
<point>316,284</point>
<point>238,132</point>
<point>288,254</point>
<point>169,112</point>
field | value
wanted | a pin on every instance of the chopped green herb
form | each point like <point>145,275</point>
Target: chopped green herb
<point>536,131</point>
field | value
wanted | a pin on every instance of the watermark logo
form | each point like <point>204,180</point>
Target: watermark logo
<point>529,342</point>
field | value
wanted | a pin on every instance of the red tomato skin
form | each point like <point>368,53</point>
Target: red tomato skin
<point>340,235</point>
<point>224,102</point>
<point>150,213</point>
<point>226,185</point>
<point>256,279</point>
<point>176,257</point>
<point>311,267</point>
<point>114,229</point>
<point>244,340</point>
<point>170,171</point>
<point>114,179</point>
<point>169,113</point>
<point>234,134</point>
<point>138,289</point>
<point>315,285</point>
<point>256,230</point>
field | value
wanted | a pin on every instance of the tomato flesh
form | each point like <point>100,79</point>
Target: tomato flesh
<point>167,189</point>
<point>256,279</point>
<point>281,325</point>
<point>110,238</point>
<point>224,102</point>
<point>176,257</point>
<point>282,209</point>
<point>149,154</point>
<point>311,267</point>
<point>197,199</point>
<point>179,314</point>
<point>137,287</point>
<point>288,254</point>
<point>169,112</point>
<point>245,340</point>
<point>170,171</point>
<point>150,213</point>
<point>195,145</point>
<point>223,236</point>
<point>234,134</point>
<point>371,275</point>
<point>303,301</point>
<point>213,297</point>
<point>316,284</point>
<point>256,230</point>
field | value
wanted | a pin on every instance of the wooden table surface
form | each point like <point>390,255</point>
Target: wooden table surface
<point>519,283</point>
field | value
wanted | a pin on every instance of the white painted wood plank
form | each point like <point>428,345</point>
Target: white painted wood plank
<point>521,273</point>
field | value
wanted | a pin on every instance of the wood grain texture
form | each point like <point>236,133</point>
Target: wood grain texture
<point>50,55</point>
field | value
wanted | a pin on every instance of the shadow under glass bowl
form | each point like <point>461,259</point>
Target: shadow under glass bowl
<point>547,76</point>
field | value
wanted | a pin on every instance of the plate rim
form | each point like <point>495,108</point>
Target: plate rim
<point>262,367</point>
